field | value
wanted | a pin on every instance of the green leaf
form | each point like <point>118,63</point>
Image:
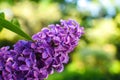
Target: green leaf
<point>8,25</point>
<point>15,22</point>
<point>3,17</point>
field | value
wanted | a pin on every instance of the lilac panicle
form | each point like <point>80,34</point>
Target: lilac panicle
<point>35,60</point>
<point>55,42</point>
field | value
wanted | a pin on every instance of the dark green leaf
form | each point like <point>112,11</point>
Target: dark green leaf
<point>2,15</point>
<point>8,25</point>
<point>15,22</point>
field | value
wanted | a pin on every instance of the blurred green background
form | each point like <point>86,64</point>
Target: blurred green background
<point>97,57</point>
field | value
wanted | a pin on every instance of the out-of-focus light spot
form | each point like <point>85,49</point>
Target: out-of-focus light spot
<point>25,9</point>
<point>82,3</point>
<point>105,2</point>
<point>109,48</point>
<point>117,3</point>
<point>86,6</point>
<point>111,11</point>
<point>108,6</point>
<point>115,67</point>
<point>77,65</point>
<point>103,31</point>
<point>69,1</point>
<point>117,19</point>
<point>94,9</point>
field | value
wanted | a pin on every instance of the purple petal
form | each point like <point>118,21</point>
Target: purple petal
<point>15,66</point>
<point>33,45</point>
<point>32,57</point>
<point>7,68</point>
<point>48,61</point>
<point>23,68</point>
<point>28,62</point>
<point>43,73</point>
<point>50,70</point>
<point>29,78</point>
<point>67,41</point>
<point>44,55</point>
<point>60,68</point>
<point>27,51</point>
<point>21,58</point>
<point>36,74</point>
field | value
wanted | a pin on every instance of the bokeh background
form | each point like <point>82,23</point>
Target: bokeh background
<point>97,57</point>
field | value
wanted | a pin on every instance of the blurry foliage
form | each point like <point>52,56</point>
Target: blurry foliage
<point>97,57</point>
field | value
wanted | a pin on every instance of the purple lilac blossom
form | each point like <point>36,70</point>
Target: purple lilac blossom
<point>49,50</point>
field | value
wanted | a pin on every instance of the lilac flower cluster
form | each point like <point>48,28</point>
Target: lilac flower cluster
<point>35,60</point>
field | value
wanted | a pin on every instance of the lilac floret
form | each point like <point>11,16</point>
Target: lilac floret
<point>49,51</point>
